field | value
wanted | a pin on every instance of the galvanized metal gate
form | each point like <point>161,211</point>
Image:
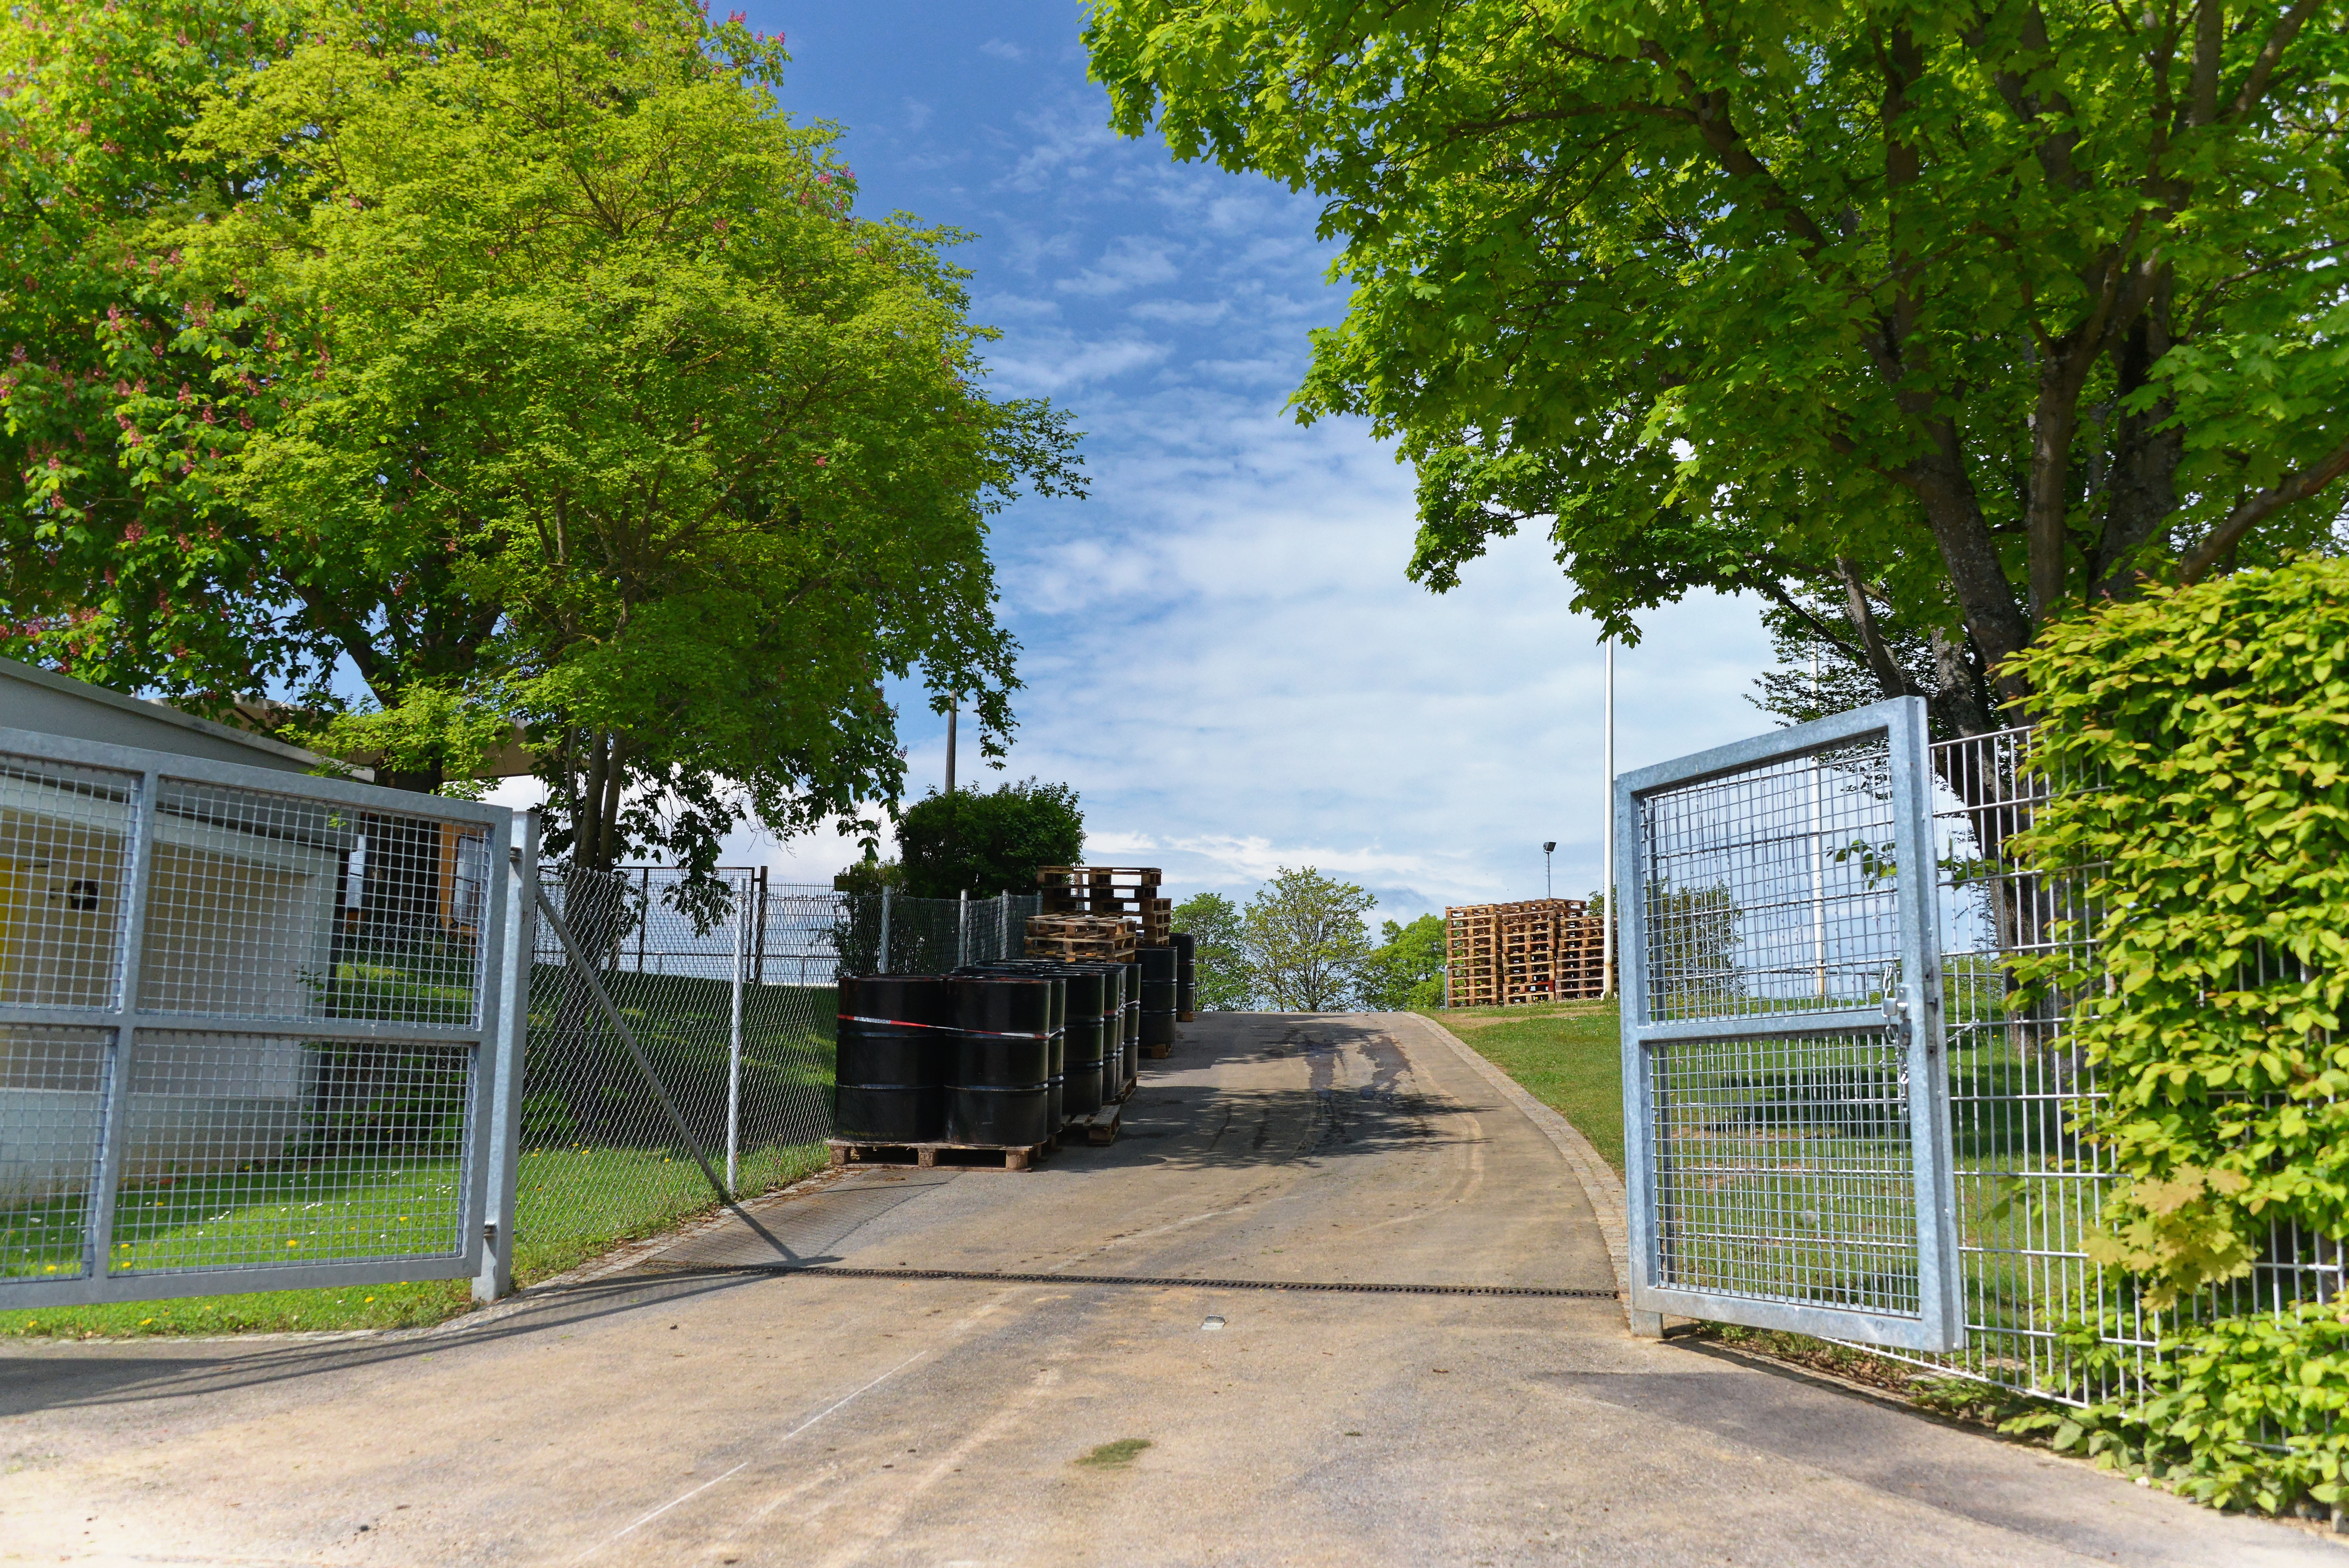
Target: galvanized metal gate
<point>1786,1103</point>
<point>246,1024</point>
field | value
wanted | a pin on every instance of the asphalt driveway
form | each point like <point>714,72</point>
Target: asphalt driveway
<point>1025,1368</point>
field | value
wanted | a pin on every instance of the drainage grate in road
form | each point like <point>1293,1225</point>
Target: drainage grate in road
<point>990,1276</point>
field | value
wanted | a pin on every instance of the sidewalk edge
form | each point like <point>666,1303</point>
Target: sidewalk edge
<point>1600,1186</point>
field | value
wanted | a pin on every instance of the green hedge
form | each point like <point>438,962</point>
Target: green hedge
<point>2210,729</point>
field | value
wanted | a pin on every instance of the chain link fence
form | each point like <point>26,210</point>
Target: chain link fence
<point>729,986</point>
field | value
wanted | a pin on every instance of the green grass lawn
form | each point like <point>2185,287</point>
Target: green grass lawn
<point>1566,1055</point>
<point>616,1183</point>
<point>573,1205</point>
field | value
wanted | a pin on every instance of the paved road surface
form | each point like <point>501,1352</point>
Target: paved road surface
<point>701,1416</point>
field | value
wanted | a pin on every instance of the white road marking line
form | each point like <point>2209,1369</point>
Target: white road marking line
<point>880,1526</point>
<point>656,1513</point>
<point>738,1469</point>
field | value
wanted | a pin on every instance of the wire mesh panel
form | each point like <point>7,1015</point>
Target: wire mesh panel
<point>1787,1139</point>
<point>2028,1188</point>
<point>1786,1170</point>
<point>1772,890</point>
<point>66,842</point>
<point>730,986</point>
<point>52,1116</point>
<point>240,1025</point>
<point>250,1150</point>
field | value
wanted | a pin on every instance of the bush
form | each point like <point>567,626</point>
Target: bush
<point>989,843</point>
<point>2203,737</point>
<point>1406,970</point>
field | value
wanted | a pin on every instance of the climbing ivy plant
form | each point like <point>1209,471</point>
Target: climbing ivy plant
<point>2211,727</point>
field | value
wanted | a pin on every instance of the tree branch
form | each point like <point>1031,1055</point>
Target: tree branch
<point>2253,510</point>
<point>2279,38</point>
<point>1890,676</point>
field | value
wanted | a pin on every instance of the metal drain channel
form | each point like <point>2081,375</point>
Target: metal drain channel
<point>988,1276</point>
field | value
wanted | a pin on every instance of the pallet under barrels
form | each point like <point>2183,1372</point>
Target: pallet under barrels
<point>988,1066</point>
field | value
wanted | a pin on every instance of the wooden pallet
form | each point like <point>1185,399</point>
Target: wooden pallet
<point>1076,937</point>
<point>1073,951</point>
<point>1103,1124</point>
<point>925,1155</point>
<point>1504,955</point>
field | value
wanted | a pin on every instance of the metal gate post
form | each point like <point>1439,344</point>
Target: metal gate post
<point>97,1227</point>
<point>506,1051</point>
<point>882,967</point>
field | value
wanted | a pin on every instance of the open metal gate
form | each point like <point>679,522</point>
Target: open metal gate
<point>1785,1099</point>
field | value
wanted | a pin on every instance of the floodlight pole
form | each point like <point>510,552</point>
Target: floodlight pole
<point>1607,817</point>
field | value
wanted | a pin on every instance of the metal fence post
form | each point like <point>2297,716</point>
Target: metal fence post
<point>114,1131</point>
<point>506,1065</point>
<point>962,928</point>
<point>884,965</point>
<point>760,926</point>
<point>734,1044</point>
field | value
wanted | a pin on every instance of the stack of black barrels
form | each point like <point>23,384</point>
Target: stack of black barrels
<point>995,1055</point>
<point>1158,984</point>
<point>1186,978</point>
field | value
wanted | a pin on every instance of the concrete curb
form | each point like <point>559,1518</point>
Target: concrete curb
<point>1600,1184</point>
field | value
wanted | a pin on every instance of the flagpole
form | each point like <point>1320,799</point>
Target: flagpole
<point>1606,820</point>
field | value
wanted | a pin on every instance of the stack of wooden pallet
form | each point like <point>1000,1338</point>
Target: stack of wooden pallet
<point>1110,890</point>
<point>1504,955</point>
<point>1071,937</point>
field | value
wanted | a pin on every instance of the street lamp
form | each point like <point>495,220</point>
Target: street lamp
<point>1547,846</point>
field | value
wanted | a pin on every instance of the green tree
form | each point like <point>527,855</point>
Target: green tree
<point>116,568</point>
<point>1219,952</point>
<point>1406,970</point>
<point>572,388</point>
<point>1305,942</point>
<point>989,842</point>
<point>1943,319</point>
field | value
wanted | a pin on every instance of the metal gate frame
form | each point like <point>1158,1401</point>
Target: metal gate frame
<point>499,1017</point>
<point>1940,1324</point>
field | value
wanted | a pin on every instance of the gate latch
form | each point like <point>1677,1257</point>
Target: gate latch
<point>1896,1006</point>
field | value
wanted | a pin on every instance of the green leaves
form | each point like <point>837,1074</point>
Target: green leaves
<point>533,359</point>
<point>1985,309</point>
<point>1304,940</point>
<point>2201,741</point>
<point>985,842</point>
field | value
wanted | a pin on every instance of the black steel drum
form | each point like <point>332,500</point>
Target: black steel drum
<point>894,1051</point>
<point>1158,969</point>
<point>1132,1033</point>
<point>1186,977</point>
<point>1082,1069</point>
<point>999,1093</point>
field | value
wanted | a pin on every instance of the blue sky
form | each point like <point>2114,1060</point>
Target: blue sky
<point>1221,652</point>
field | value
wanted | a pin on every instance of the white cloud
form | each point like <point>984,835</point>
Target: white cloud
<point>1000,50</point>
<point>1181,312</point>
<point>1129,263</point>
<point>1058,364</point>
